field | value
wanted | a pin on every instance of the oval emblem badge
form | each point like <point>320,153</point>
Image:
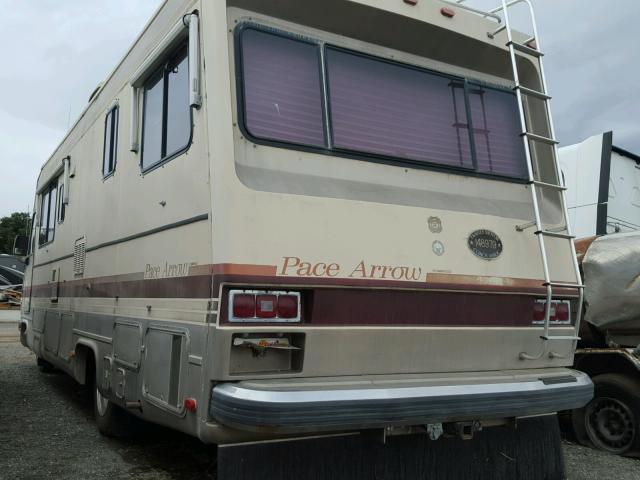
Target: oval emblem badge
<point>485,244</point>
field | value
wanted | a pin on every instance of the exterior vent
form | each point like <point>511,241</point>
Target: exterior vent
<point>79,255</point>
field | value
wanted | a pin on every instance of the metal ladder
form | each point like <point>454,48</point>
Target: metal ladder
<point>534,50</point>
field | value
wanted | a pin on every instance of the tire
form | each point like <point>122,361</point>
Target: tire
<point>44,366</point>
<point>611,421</point>
<point>111,420</point>
<point>579,429</point>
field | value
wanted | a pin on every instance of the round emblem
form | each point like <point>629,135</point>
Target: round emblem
<point>435,224</point>
<point>437,247</point>
<point>485,244</point>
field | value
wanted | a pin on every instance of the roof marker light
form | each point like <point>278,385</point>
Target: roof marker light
<point>411,2</point>
<point>447,12</point>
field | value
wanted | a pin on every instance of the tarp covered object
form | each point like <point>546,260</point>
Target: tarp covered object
<point>611,268</point>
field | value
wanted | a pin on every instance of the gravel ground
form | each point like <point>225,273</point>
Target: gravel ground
<point>9,323</point>
<point>47,432</point>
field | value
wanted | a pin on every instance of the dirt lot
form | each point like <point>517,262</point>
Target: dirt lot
<point>47,432</point>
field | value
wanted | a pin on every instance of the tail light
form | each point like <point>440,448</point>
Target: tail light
<point>560,312</point>
<point>538,311</point>
<point>288,306</point>
<point>244,305</point>
<point>264,306</point>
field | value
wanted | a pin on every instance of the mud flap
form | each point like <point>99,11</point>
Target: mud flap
<point>532,451</point>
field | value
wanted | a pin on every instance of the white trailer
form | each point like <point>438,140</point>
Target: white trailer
<point>603,186</point>
<point>280,219</point>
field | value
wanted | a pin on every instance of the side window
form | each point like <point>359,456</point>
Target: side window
<point>166,118</point>
<point>61,205</point>
<point>109,155</point>
<point>48,213</point>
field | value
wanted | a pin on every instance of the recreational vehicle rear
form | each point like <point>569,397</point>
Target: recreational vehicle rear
<point>279,219</point>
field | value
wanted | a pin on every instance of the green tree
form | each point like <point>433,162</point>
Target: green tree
<point>15,224</point>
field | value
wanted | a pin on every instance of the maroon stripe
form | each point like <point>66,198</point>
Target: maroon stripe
<point>199,286</point>
<point>324,304</point>
<point>361,307</point>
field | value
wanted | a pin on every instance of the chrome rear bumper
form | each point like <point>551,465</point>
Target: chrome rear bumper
<point>302,406</point>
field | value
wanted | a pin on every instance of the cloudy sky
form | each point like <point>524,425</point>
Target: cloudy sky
<point>56,52</point>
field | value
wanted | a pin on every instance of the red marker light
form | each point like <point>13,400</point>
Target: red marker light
<point>190,404</point>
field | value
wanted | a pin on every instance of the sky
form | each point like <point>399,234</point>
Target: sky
<point>56,52</point>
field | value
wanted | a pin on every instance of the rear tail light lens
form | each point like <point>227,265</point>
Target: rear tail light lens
<point>244,305</point>
<point>559,312</point>
<point>288,306</point>
<point>538,311</point>
<point>562,312</point>
<point>264,306</point>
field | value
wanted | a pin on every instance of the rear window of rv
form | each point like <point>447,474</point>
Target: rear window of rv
<point>299,94</point>
<point>283,96</point>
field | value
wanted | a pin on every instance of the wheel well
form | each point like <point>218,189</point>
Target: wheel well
<point>598,363</point>
<point>85,364</point>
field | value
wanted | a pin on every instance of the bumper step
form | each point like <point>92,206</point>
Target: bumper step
<point>288,410</point>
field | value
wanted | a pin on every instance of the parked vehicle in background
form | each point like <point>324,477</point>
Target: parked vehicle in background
<point>11,278</point>
<point>609,350</point>
<point>11,270</point>
<point>603,198</point>
<point>332,219</point>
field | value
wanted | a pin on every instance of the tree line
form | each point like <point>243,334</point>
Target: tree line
<point>15,224</point>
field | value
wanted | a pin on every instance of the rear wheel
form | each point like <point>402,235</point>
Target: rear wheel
<point>111,420</point>
<point>611,421</point>
<point>44,366</point>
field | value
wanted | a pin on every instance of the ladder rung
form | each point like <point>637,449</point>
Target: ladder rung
<point>547,233</point>
<point>563,285</point>
<point>525,49</point>
<point>548,185</point>
<point>539,138</point>
<point>559,337</point>
<point>532,93</point>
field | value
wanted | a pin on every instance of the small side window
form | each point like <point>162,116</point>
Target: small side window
<point>109,156</point>
<point>48,205</point>
<point>61,205</point>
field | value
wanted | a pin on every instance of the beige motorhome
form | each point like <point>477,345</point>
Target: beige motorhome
<point>286,218</point>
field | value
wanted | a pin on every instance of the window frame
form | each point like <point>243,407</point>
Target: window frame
<point>329,149</point>
<point>170,57</point>
<point>112,113</point>
<point>47,191</point>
